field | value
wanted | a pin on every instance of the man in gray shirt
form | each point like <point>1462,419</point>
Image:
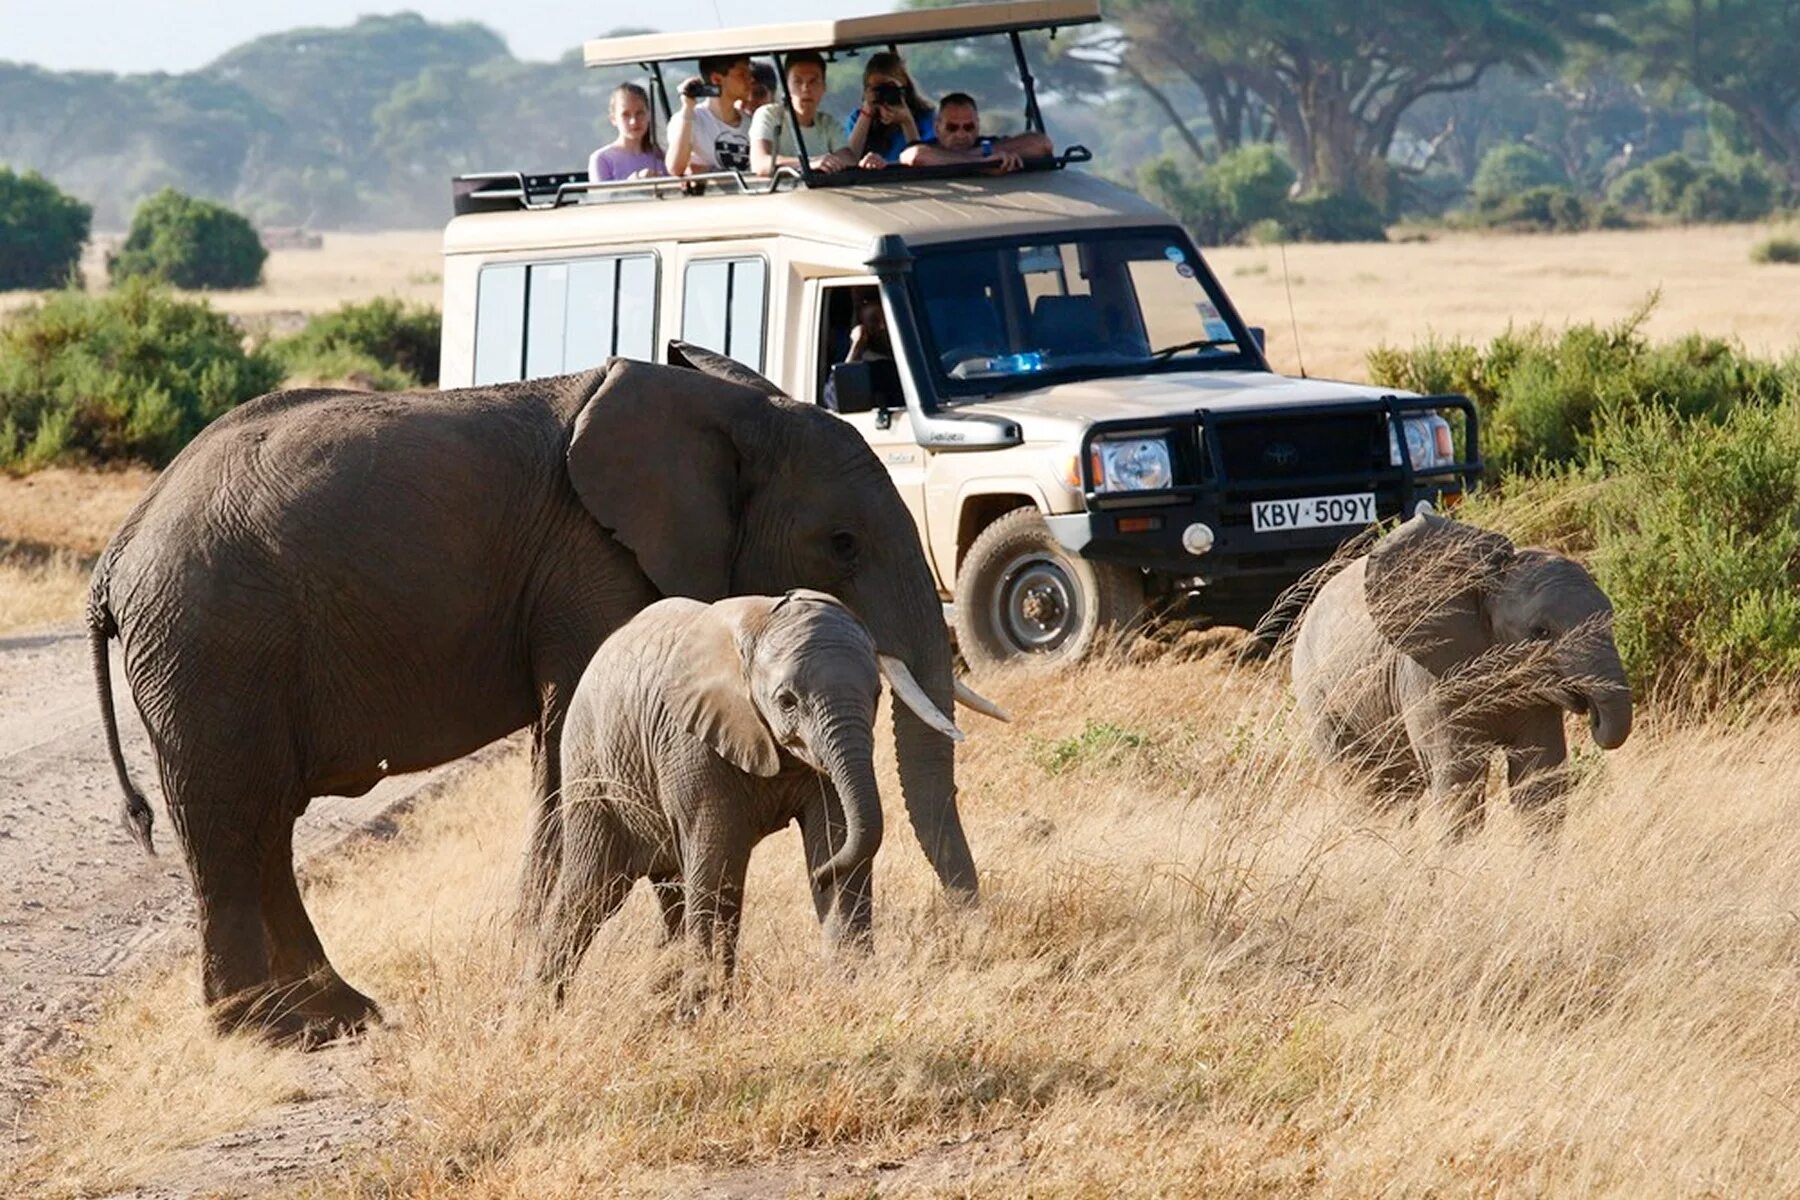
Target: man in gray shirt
<point>772,142</point>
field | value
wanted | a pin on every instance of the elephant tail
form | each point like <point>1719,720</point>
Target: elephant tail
<point>137,814</point>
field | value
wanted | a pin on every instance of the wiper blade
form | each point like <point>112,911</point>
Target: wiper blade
<point>1196,344</point>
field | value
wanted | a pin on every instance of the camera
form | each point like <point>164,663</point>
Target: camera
<point>890,94</point>
<point>698,88</point>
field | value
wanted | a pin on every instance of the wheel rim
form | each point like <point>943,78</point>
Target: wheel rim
<point>1037,607</point>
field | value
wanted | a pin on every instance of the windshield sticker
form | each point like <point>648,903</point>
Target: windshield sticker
<point>1206,310</point>
<point>1183,270</point>
<point>1218,330</point>
<point>1173,253</point>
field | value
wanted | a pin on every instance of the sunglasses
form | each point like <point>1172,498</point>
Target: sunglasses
<point>958,127</point>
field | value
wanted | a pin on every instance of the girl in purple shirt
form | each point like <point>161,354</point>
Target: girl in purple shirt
<point>634,154</point>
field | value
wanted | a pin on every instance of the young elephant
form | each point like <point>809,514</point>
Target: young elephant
<point>700,729</point>
<point>1443,644</point>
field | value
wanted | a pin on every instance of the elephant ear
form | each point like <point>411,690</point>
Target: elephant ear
<point>711,362</point>
<point>656,456</point>
<point>1426,586</point>
<point>709,689</point>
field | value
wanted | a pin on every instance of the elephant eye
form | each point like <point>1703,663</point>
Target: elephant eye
<point>1540,633</point>
<point>787,701</point>
<point>844,546</point>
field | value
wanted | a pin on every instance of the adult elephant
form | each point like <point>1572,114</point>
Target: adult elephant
<point>1445,643</point>
<point>327,587</point>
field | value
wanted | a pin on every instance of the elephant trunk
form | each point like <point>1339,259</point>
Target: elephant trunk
<point>927,767</point>
<point>1609,718</point>
<point>848,757</point>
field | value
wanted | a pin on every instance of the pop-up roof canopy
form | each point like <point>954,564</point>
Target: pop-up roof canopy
<point>850,33</point>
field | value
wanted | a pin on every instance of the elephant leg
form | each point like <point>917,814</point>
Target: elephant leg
<point>846,904</point>
<point>671,901</point>
<point>592,881</point>
<point>1537,777</point>
<point>544,841</point>
<point>304,981</point>
<point>714,868</point>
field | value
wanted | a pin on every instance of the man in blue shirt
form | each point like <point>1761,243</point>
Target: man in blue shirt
<point>958,140</point>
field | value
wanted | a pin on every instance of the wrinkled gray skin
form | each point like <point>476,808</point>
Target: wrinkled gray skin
<point>1378,653</point>
<point>697,731</point>
<point>327,587</point>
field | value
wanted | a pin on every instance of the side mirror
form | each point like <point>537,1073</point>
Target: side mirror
<point>1259,335</point>
<point>852,388</point>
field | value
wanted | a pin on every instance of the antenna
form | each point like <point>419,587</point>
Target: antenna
<point>1293,323</point>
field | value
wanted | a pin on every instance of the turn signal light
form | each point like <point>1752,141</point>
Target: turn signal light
<point>1139,524</point>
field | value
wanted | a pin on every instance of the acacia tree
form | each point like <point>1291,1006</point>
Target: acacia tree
<point>1737,53</point>
<point>1336,76</point>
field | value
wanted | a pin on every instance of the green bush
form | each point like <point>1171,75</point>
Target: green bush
<point>1693,529</point>
<point>1549,209</point>
<point>1541,395</point>
<point>42,231</point>
<point>1511,168</point>
<point>383,342</point>
<point>1245,186</point>
<point>1334,217</point>
<point>1777,249</point>
<point>131,375</point>
<point>189,243</point>
<point>1674,185</point>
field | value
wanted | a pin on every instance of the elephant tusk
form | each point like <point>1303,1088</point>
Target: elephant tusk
<point>908,692</point>
<point>968,697</point>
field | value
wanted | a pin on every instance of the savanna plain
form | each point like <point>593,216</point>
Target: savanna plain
<point>1198,968</point>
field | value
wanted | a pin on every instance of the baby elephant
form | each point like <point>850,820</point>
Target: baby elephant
<point>1445,643</point>
<point>698,730</point>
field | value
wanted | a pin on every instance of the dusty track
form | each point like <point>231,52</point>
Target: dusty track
<point>79,902</point>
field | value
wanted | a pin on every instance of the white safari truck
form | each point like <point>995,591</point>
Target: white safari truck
<point>1080,421</point>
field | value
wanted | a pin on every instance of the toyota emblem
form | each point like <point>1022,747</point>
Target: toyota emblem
<point>1280,455</point>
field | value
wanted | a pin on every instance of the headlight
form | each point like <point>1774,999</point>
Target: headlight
<point>1135,465</point>
<point>1428,441</point>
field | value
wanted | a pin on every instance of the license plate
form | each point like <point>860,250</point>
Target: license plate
<point>1312,512</point>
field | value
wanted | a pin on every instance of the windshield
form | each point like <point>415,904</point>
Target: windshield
<point>1010,314</point>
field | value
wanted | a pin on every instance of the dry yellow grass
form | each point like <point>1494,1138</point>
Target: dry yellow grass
<point>52,525</point>
<point>1198,970</point>
<point>1348,299</point>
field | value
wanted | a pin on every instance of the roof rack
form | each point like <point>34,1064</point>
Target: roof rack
<point>511,191</point>
<point>505,191</point>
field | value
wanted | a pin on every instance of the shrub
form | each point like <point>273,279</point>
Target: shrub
<point>42,231</point>
<point>1542,394</point>
<point>390,344</point>
<point>1334,217</point>
<point>1777,249</point>
<point>1693,529</point>
<point>1511,168</point>
<point>1245,186</point>
<point>134,374</point>
<point>1549,209</point>
<point>190,243</point>
<point>1739,189</point>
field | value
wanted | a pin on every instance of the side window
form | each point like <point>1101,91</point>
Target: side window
<point>538,319</point>
<point>722,307</point>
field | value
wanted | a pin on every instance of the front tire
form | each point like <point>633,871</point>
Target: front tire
<point>1021,597</point>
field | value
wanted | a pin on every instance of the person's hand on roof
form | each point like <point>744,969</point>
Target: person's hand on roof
<point>1006,160</point>
<point>872,162</point>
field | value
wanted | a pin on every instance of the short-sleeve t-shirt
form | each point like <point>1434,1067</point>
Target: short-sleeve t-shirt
<point>717,145</point>
<point>891,140</point>
<point>770,124</point>
<point>615,162</point>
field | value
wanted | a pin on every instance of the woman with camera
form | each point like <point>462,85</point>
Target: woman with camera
<point>893,116</point>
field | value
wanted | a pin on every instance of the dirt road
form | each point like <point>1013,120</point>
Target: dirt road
<point>78,900</point>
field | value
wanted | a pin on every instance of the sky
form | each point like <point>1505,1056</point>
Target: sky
<point>179,35</point>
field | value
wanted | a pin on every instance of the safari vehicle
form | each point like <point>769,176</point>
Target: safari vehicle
<point>1078,418</point>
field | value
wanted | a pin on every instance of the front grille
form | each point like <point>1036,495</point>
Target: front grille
<point>1278,448</point>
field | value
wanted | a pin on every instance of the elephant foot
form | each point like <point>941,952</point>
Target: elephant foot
<point>306,1014</point>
